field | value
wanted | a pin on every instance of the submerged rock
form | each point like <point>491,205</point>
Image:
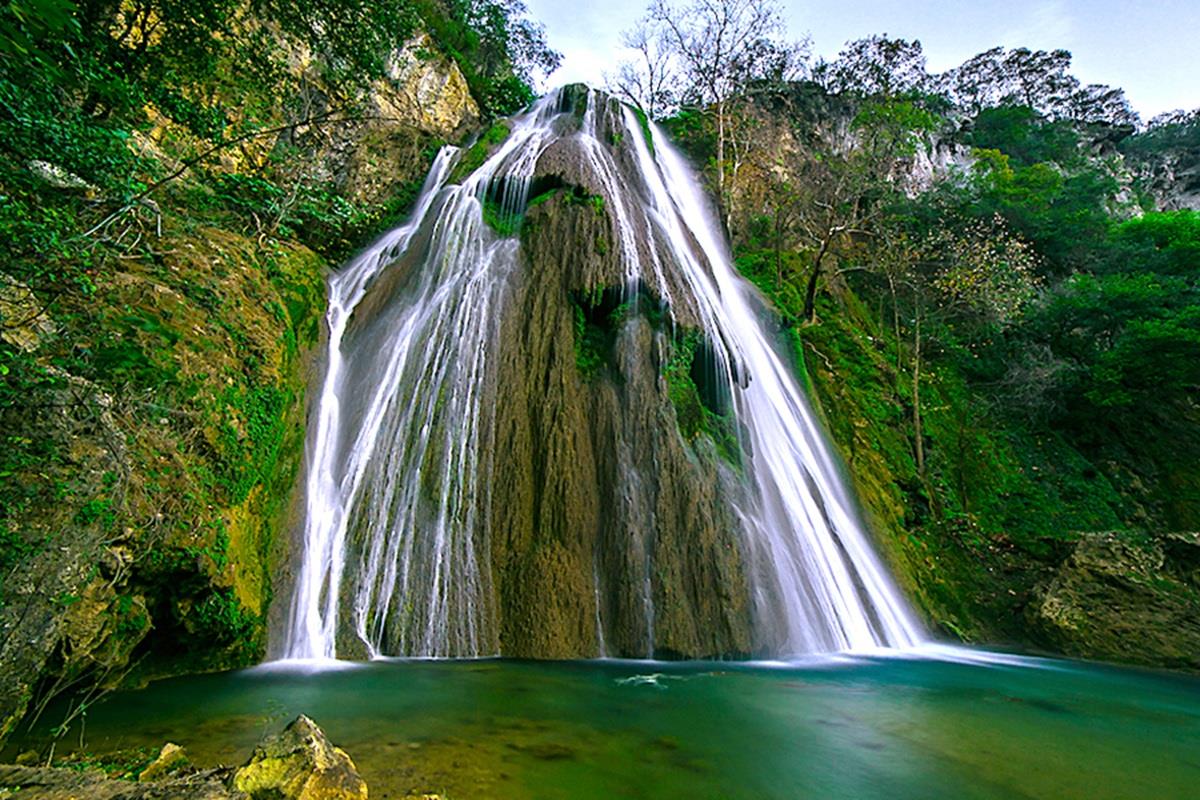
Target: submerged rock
<point>300,764</point>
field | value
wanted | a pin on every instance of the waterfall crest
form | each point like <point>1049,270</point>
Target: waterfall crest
<point>439,521</point>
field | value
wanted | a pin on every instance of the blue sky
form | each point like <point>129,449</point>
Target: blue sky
<point>1148,49</point>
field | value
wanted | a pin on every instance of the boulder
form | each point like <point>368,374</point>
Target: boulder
<point>300,764</point>
<point>171,759</point>
<point>297,764</point>
<point>1128,598</point>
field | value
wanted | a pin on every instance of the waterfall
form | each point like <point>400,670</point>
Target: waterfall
<point>397,538</point>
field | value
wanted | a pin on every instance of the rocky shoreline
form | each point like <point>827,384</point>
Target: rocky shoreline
<point>298,763</point>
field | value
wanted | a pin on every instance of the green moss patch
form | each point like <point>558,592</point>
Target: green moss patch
<point>644,124</point>
<point>701,401</point>
<point>480,151</point>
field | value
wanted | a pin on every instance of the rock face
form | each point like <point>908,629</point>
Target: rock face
<point>606,514</point>
<point>26,324</point>
<point>609,521</point>
<point>149,521</point>
<point>1171,177</point>
<point>300,764</point>
<point>1130,599</point>
<point>423,102</point>
<point>57,602</point>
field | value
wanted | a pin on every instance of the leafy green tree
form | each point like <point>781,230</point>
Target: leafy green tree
<point>1063,214</point>
<point>1131,340</point>
<point>966,272</point>
<point>500,49</point>
<point>1025,136</point>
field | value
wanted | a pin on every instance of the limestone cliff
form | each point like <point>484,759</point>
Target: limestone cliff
<point>608,517</point>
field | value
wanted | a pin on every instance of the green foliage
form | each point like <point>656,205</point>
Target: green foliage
<point>591,345</point>
<point>354,38</point>
<point>644,124</point>
<point>696,413</point>
<point>498,48</point>
<point>97,511</point>
<point>1165,243</point>
<point>1064,214</point>
<point>1177,132</point>
<point>23,454</point>
<point>503,221</point>
<point>1000,497</point>
<point>79,87</point>
<point>220,618</point>
<point>311,212</point>
<point>1025,137</point>
<point>893,127</point>
<point>598,316</point>
<point>124,764</point>
<point>132,621</point>
<point>480,151</point>
<point>251,433</point>
<point>1129,341</point>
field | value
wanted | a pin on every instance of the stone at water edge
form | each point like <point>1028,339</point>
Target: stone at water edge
<point>171,758</point>
<point>300,764</point>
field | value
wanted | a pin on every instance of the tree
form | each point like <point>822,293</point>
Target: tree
<point>852,191</point>
<point>974,85</point>
<point>1036,79</point>
<point>647,81</point>
<point>978,272</point>
<point>720,50</point>
<point>501,51</point>
<point>875,66</point>
<point>1129,330</point>
<point>1102,105</point>
<point>824,192</point>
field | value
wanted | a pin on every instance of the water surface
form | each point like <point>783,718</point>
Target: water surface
<point>859,728</point>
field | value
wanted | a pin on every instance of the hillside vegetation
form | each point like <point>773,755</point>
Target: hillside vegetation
<point>991,288</point>
<point>175,181</point>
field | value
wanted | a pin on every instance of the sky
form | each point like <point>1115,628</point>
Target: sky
<point>1150,49</point>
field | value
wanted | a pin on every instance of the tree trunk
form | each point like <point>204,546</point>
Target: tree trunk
<point>778,250</point>
<point>721,198</point>
<point>810,291</point>
<point>918,432</point>
<point>896,328</point>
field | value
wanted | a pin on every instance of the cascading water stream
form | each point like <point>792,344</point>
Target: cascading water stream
<point>821,583</point>
<point>397,532</point>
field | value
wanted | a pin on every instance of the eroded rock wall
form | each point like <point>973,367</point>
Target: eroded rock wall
<point>606,521</point>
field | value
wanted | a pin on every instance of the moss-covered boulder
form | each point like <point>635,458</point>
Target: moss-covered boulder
<point>300,764</point>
